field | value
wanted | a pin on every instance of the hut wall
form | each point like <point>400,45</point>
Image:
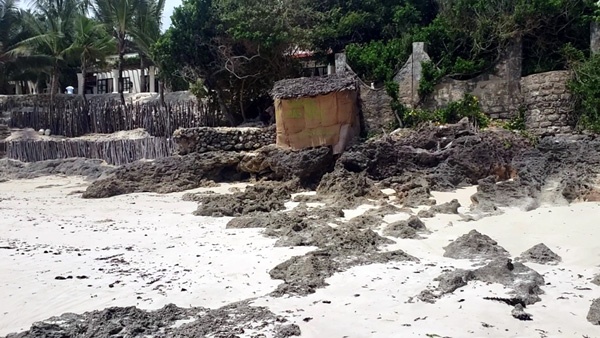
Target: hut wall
<point>323,120</point>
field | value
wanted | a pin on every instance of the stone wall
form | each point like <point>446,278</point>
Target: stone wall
<point>502,93</point>
<point>410,74</point>
<point>547,101</point>
<point>498,92</point>
<point>204,139</point>
<point>377,114</point>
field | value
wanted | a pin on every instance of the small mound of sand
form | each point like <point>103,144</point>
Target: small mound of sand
<point>474,245</point>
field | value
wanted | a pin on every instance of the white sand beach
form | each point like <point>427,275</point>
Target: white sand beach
<point>148,250</point>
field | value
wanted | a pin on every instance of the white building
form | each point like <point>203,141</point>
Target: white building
<point>108,82</point>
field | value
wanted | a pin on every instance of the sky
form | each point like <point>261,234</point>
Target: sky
<point>169,6</point>
<point>166,20</point>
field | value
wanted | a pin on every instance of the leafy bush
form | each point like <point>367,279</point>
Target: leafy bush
<point>516,122</point>
<point>378,61</point>
<point>430,76</point>
<point>468,107</point>
<point>585,87</point>
<point>198,89</point>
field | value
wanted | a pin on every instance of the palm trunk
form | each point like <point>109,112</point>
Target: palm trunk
<point>121,58</point>
<point>53,87</point>
<point>242,111</point>
<point>161,92</point>
<point>84,73</point>
<point>142,76</point>
<point>224,109</point>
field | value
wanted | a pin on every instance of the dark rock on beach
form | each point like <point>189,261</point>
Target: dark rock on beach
<point>89,168</point>
<point>409,228</point>
<point>474,245</point>
<point>133,322</point>
<point>271,162</point>
<point>259,198</point>
<point>540,254</point>
<point>593,315</point>
<point>169,174</point>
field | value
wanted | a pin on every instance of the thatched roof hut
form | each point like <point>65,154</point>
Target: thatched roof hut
<point>316,111</point>
<point>312,86</point>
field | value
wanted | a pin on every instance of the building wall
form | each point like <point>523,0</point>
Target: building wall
<point>133,76</point>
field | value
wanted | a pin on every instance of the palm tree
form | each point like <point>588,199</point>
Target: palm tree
<point>11,30</point>
<point>91,43</point>
<point>9,26</point>
<point>51,29</point>
<point>148,21</point>
<point>119,18</point>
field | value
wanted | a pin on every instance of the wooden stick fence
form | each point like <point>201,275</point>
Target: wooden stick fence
<point>72,118</point>
<point>116,152</point>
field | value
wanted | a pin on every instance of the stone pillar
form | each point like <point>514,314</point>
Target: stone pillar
<point>340,63</point>
<point>419,55</point>
<point>152,79</point>
<point>18,88</point>
<point>595,37</point>
<point>330,69</point>
<point>80,84</point>
<point>115,74</point>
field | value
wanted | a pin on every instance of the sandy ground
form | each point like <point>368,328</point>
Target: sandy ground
<point>149,250</point>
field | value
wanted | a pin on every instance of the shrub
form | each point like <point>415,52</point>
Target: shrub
<point>516,122</point>
<point>468,107</point>
<point>585,87</point>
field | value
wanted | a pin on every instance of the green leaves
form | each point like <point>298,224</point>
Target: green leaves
<point>585,87</point>
<point>378,61</point>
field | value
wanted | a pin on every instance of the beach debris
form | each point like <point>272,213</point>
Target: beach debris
<point>519,313</point>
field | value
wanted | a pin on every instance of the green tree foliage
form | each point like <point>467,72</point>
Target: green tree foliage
<point>468,36</point>
<point>585,87</point>
<point>91,42</point>
<point>51,28</point>
<point>119,18</point>
<point>238,48</point>
<point>363,21</point>
<point>11,32</point>
<point>147,21</point>
<point>378,60</point>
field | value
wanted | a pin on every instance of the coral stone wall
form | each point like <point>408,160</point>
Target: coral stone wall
<point>376,110</point>
<point>204,139</point>
<point>547,101</point>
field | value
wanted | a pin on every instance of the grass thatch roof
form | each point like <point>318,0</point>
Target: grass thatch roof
<point>312,86</point>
